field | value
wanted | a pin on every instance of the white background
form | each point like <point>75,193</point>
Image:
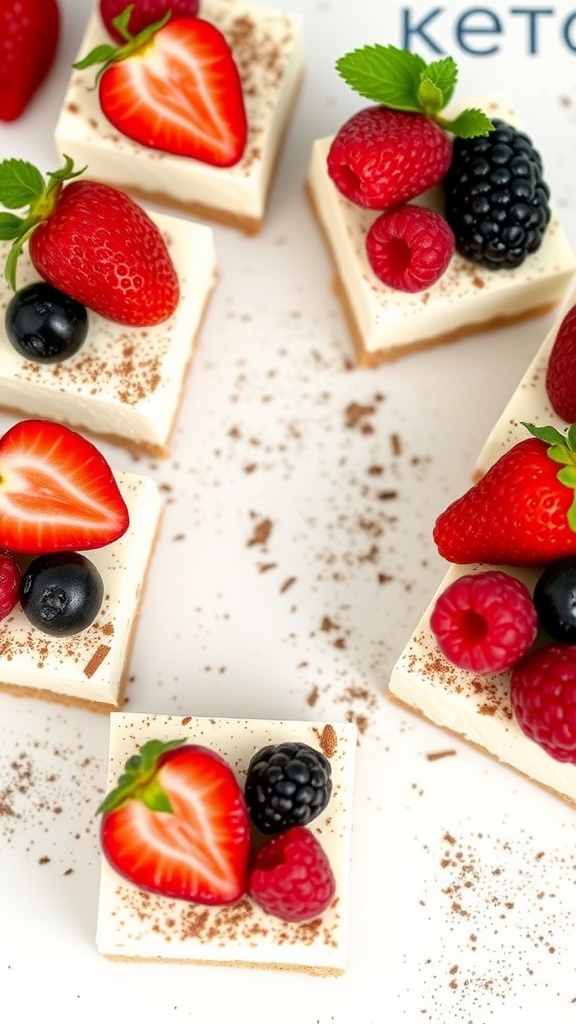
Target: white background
<point>463,875</point>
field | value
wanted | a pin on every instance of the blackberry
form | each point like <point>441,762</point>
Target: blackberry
<point>496,200</point>
<point>287,784</point>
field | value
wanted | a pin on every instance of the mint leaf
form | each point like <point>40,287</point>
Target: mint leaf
<point>469,124</point>
<point>384,74</point>
<point>444,74</point>
<point>430,97</point>
<point>20,183</point>
<point>10,226</point>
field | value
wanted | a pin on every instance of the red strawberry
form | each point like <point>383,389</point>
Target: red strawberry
<point>29,33</point>
<point>175,88</point>
<point>89,240</point>
<point>409,247</point>
<point>381,157</point>
<point>522,511</point>
<point>561,370</point>
<point>177,824</point>
<point>144,13</point>
<point>57,492</point>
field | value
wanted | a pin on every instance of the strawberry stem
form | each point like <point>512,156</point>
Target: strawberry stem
<point>106,54</point>
<point>140,780</point>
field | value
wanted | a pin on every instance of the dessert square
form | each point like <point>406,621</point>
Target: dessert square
<point>267,47</point>
<point>138,925</point>
<point>385,323</point>
<point>125,383</point>
<point>90,668</point>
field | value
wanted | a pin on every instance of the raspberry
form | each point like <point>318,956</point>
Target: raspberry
<point>543,696</point>
<point>496,198</point>
<point>382,157</point>
<point>291,877</point>
<point>9,582</point>
<point>484,623</point>
<point>409,248</point>
<point>287,784</point>
<point>561,370</point>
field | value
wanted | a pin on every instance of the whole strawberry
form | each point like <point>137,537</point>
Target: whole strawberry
<point>522,511</point>
<point>29,34</point>
<point>144,13</point>
<point>561,370</point>
<point>89,240</point>
<point>388,154</point>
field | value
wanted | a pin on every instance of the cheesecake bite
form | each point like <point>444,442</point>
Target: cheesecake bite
<point>77,543</point>
<point>217,162</point>
<point>397,294</point>
<point>210,909</point>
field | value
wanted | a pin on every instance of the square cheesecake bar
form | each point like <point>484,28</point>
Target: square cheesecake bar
<point>125,383</point>
<point>267,46</point>
<point>90,668</point>
<point>386,323</point>
<point>137,925</point>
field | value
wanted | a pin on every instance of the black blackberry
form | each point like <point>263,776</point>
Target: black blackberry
<point>287,784</point>
<point>496,198</point>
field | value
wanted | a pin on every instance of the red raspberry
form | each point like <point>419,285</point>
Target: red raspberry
<point>484,623</point>
<point>382,157</point>
<point>561,370</point>
<point>10,576</point>
<point>291,877</point>
<point>543,696</point>
<point>409,248</point>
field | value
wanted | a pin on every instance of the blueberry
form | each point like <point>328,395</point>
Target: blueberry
<point>45,325</point>
<point>555,600</point>
<point>61,594</point>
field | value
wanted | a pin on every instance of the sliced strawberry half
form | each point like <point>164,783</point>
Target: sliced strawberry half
<point>57,492</point>
<point>175,87</point>
<point>177,824</point>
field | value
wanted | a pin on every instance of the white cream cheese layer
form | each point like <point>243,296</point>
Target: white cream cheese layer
<point>125,382</point>
<point>477,708</point>
<point>467,296</point>
<point>269,52</point>
<point>133,924</point>
<point>90,665</point>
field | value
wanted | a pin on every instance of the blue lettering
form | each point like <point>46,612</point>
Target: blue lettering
<point>566,32</point>
<point>533,13</point>
<point>409,30</point>
<point>474,22</point>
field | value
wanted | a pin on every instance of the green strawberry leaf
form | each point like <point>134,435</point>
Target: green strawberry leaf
<point>140,780</point>
<point>561,449</point>
<point>548,434</point>
<point>106,54</point>
<point>101,54</point>
<point>402,80</point>
<point>10,226</point>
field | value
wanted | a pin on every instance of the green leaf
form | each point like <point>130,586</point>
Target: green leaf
<point>430,97</point>
<point>140,780</point>
<point>20,183</point>
<point>10,226</point>
<point>384,74</point>
<point>444,74</point>
<point>469,124</point>
<point>101,54</point>
<point>550,435</point>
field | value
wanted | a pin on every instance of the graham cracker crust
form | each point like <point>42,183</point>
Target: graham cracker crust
<point>316,972</point>
<point>366,359</point>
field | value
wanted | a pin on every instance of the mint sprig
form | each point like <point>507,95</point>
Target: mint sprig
<point>23,188</point>
<point>404,81</point>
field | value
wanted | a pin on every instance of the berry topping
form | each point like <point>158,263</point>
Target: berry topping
<point>176,824</point>
<point>89,240</point>
<point>291,877</point>
<point>409,248</point>
<point>522,511</point>
<point>383,157</point>
<point>57,492</point>
<point>173,87</point>
<point>555,600</point>
<point>62,593</point>
<point>561,370</point>
<point>543,696</point>
<point>496,198</point>
<point>9,583</point>
<point>484,623</point>
<point>144,13</point>
<point>287,784</point>
<point>29,35</point>
<point>45,325</point>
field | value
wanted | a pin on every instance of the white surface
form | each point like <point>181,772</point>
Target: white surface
<point>462,885</point>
